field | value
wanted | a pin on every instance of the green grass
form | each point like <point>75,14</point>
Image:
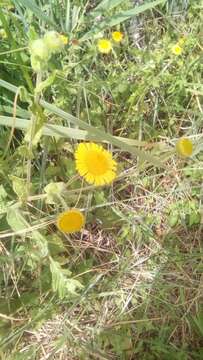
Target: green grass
<point>129,286</point>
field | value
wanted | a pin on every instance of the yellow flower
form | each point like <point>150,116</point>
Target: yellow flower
<point>117,36</point>
<point>184,147</point>
<point>3,34</point>
<point>176,49</point>
<point>70,221</point>
<point>95,164</point>
<point>104,46</point>
<point>64,39</point>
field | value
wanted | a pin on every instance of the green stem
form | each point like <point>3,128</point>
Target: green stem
<point>32,131</point>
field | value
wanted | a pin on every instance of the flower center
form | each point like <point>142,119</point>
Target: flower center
<point>97,163</point>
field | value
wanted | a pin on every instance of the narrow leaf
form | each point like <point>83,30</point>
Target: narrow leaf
<point>62,131</point>
<point>105,5</point>
<point>31,4</point>
<point>119,18</point>
<point>93,132</point>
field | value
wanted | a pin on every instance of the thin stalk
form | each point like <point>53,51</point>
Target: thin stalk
<point>32,132</point>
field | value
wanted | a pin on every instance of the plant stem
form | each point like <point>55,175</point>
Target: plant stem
<point>32,131</point>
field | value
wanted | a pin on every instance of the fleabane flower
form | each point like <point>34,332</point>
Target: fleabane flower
<point>3,34</point>
<point>95,164</point>
<point>104,46</point>
<point>117,36</point>
<point>176,49</point>
<point>64,39</point>
<point>54,41</point>
<point>70,221</point>
<point>184,147</point>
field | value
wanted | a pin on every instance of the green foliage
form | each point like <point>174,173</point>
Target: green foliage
<point>129,285</point>
<point>61,280</point>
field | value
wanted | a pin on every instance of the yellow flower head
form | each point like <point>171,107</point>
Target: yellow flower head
<point>3,34</point>
<point>64,39</point>
<point>95,164</point>
<point>184,147</point>
<point>117,36</point>
<point>70,221</point>
<point>104,46</point>
<point>176,49</point>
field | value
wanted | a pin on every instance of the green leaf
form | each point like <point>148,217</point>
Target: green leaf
<point>173,218</point>
<point>68,18</point>
<point>19,111</point>
<point>119,18</point>
<point>40,120</point>
<point>100,135</point>
<point>15,219</point>
<point>104,6</point>
<point>60,281</point>
<point>53,191</point>
<point>61,131</point>
<point>93,133</point>
<point>31,4</point>
<point>18,223</point>
<point>24,95</point>
<point>4,203</point>
<point>46,83</point>
<point>198,321</point>
<point>20,187</point>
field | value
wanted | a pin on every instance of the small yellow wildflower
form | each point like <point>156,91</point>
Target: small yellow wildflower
<point>64,39</point>
<point>95,164</point>
<point>104,46</point>
<point>117,36</point>
<point>70,221</point>
<point>184,147</point>
<point>3,34</point>
<point>176,49</point>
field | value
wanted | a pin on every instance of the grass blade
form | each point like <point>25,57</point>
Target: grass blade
<point>97,134</point>
<point>120,17</point>
<point>105,5</point>
<point>30,4</point>
<point>100,135</point>
<point>61,131</point>
<point>68,19</point>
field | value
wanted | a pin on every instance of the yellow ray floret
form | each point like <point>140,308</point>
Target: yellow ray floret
<point>184,147</point>
<point>64,39</point>
<point>176,49</point>
<point>104,46</point>
<point>95,164</point>
<point>117,36</point>
<point>70,221</point>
